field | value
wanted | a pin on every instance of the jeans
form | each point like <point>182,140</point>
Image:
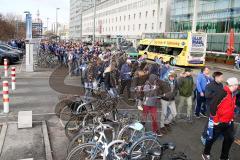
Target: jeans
<point>165,118</point>
<point>189,105</point>
<point>125,83</point>
<point>227,130</point>
<point>153,112</point>
<point>200,104</point>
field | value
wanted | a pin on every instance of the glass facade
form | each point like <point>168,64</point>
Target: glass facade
<point>214,16</point>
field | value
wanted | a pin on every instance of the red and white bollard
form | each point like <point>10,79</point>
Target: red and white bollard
<point>5,68</point>
<point>13,77</point>
<point>5,97</point>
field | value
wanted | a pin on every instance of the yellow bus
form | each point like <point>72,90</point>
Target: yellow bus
<point>182,49</point>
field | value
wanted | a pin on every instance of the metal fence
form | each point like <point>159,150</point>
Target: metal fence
<point>219,42</point>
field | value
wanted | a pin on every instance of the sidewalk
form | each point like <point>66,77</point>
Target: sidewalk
<point>222,66</point>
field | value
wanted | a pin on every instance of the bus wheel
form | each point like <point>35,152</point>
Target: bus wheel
<point>172,62</point>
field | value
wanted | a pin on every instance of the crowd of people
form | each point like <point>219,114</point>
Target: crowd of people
<point>156,87</point>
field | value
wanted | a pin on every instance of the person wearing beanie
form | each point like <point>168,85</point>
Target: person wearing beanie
<point>221,121</point>
<point>167,89</point>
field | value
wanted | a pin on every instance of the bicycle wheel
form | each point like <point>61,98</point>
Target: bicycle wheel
<point>76,123</point>
<point>83,136</point>
<point>65,115</point>
<point>129,134</point>
<point>145,149</point>
<point>60,105</point>
<point>116,150</point>
<point>87,151</point>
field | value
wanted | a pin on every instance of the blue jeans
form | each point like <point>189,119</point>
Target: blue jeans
<point>200,104</point>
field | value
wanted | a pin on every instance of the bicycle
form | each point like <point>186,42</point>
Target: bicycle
<point>120,133</point>
<point>146,148</point>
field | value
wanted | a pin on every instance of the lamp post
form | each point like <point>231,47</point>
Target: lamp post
<point>56,27</point>
<point>195,16</point>
<point>47,23</point>
<point>94,21</point>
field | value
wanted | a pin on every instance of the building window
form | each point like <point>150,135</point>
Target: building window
<point>145,26</point>
<point>124,18</point>
<point>124,28</point>
<point>140,15</point>
<point>146,13</point>
<point>128,28</point>
<point>160,25</point>
<point>120,18</point>
<point>129,16</point>
<point>119,28</point>
<point>109,20</point>
<point>116,19</point>
<point>139,26</point>
<point>153,13</point>
<point>112,28</point>
<point>134,16</point>
<point>161,11</point>
<point>116,28</point>
<point>152,26</point>
<point>112,20</point>
<point>133,27</point>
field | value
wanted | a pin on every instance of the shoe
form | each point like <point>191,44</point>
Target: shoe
<point>130,99</point>
<point>203,140</point>
<point>197,116</point>
<point>168,127</point>
<point>203,115</point>
<point>189,119</point>
<point>205,157</point>
<point>163,130</point>
<point>159,133</point>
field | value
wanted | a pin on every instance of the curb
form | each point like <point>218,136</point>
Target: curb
<point>2,136</point>
<point>47,145</point>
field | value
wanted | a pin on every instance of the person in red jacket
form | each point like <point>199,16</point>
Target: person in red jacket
<point>222,113</point>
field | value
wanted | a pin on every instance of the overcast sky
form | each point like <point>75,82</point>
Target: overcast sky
<point>47,8</point>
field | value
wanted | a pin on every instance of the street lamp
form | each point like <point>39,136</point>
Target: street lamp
<point>47,23</point>
<point>57,20</point>
<point>94,20</point>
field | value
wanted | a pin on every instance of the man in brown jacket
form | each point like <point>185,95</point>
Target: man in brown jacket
<point>167,89</point>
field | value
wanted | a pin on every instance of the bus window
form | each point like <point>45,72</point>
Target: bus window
<point>142,47</point>
<point>151,49</point>
<point>159,49</point>
<point>174,51</point>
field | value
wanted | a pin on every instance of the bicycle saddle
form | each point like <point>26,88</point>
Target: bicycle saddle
<point>154,153</point>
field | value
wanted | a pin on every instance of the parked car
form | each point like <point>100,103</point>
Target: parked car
<point>11,49</point>
<point>10,56</point>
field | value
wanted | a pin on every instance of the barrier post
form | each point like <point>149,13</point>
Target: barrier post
<point>5,68</point>
<point>5,97</point>
<point>13,77</point>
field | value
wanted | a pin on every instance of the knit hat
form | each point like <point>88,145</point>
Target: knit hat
<point>232,81</point>
<point>129,61</point>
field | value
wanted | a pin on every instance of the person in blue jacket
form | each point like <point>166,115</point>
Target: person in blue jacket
<point>125,74</point>
<point>203,79</point>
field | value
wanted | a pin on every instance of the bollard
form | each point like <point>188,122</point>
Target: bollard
<point>13,77</point>
<point>5,97</point>
<point>5,68</point>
